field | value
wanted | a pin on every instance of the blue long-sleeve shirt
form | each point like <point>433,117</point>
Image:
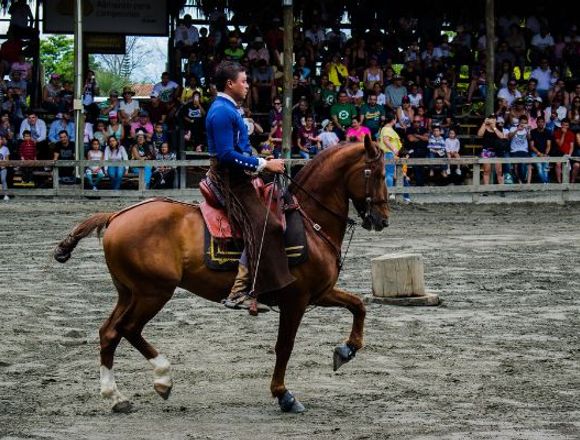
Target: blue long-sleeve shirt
<point>227,137</point>
<point>56,127</point>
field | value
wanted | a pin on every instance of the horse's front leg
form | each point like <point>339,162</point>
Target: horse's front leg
<point>339,298</point>
<point>291,313</point>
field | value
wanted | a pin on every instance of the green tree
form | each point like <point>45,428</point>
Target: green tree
<point>108,81</point>
<point>57,56</point>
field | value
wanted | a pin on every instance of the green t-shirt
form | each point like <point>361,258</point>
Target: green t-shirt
<point>372,116</point>
<point>328,97</point>
<point>344,113</point>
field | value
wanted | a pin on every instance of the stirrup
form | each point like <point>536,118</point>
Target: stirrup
<point>244,301</point>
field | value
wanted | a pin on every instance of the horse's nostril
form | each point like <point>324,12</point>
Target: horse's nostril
<point>385,223</point>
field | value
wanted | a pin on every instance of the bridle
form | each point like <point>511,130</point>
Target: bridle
<point>350,222</point>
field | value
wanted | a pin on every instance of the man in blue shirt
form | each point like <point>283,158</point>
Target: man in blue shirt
<point>231,158</point>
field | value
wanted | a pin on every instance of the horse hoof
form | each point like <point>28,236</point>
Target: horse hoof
<point>61,256</point>
<point>123,407</point>
<point>290,404</point>
<point>163,390</point>
<point>342,354</point>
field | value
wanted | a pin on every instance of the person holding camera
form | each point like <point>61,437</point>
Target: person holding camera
<point>492,147</point>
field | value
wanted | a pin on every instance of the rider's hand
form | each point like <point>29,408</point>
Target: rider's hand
<point>274,166</point>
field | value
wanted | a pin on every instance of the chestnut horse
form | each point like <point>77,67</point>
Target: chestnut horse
<point>152,248</point>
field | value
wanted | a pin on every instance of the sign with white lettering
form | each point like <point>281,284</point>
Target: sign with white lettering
<point>126,17</point>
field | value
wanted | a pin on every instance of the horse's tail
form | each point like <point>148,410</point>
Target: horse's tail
<point>64,249</point>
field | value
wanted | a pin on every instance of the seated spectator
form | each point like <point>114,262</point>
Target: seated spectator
<point>4,155</point>
<point>128,107</point>
<point>557,108</point>
<point>38,133</point>
<point>509,93</point>
<point>7,130</point>
<point>436,147</point>
<point>342,113</point>
<point>559,87</point>
<point>504,74</point>
<point>194,67</point>
<point>156,109</point>
<point>477,85</point>
<point>115,152</point>
<point>543,76</point>
<point>440,116</point>
<point>431,53</point>
<point>50,94</point>
<point>143,150</point>
<point>64,149</point>
<point>115,127</point>
<point>444,91</point>
<point>62,122</point>
<point>308,141</point>
<point>574,114</point>
<point>142,124</point>
<point>66,97</point>
<point>159,136</point>
<point>356,131</point>
<point>193,117</point>
<point>258,52</point>
<point>372,74</point>
<point>94,174</point>
<point>16,82</point>
<point>415,96</point>
<point>164,176</point>
<point>405,114</point>
<point>190,88</point>
<point>372,115</point>
<point>519,137</point>
<point>299,113</point>
<point>101,133</point>
<point>110,105</point>
<point>355,94</point>
<point>328,96</point>
<point>542,45</point>
<point>253,127</point>
<point>234,51</point>
<point>381,98</point>
<point>166,90</point>
<point>394,93</point>
<point>327,136</point>
<point>532,90</point>
<point>263,86</point>
<point>22,66</point>
<point>452,146</point>
<point>186,37</point>
<point>14,105</point>
<point>337,71</point>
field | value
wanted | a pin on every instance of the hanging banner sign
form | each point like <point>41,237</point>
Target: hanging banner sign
<point>121,17</point>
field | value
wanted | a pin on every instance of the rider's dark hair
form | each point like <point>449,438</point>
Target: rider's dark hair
<point>227,71</point>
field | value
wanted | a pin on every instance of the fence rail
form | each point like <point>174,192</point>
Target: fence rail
<point>471,186</point>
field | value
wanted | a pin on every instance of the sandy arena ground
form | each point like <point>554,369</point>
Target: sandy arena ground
<point>499,360</point>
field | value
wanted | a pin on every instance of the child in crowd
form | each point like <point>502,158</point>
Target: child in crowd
<point>4,155</point>
<point>327,136</point>
<point>27,152</point>
<point>94,153</point>
<point>164,176</point>
<point>159,136</point>
<point>452,146</point>
<point>436,148</point>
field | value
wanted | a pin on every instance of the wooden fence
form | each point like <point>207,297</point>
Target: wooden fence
<point>472,186</point>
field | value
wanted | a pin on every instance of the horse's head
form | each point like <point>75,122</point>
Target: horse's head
<point>367,188</point>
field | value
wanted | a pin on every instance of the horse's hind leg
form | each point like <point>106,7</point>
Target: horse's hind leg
<point>339,298</point>
<point>144,306</point>
<point>109,339</point>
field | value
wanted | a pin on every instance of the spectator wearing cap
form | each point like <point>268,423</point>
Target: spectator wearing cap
<point>110,105</point>
<point>258,52</point>
<point>157,110</point>
<point>128,107</point>
<point>509,93</point>
<point>166,89</point>
<point>142,124</point>
<point>61,123</point>
<point>327,136</point>
<point>116,127</point>
<point>50,94</point>
<point>394,93</point>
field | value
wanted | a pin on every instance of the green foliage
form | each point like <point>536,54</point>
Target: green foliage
<point>57,56</point>
<point>108,81</point>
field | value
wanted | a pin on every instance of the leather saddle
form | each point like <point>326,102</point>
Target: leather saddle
<point>216,218</point>
<point>223,244</point>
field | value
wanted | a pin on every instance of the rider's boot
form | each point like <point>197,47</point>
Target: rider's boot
<point>239,297</point>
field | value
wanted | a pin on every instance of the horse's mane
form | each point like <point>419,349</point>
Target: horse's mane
<point>326,158</point>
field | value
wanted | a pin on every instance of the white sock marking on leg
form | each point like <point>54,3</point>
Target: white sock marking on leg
<point>161,370</point>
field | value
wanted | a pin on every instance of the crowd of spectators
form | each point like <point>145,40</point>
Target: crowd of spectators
<point>407,92</point>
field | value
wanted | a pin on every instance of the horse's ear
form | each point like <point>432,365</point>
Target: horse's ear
<point>370,147</point>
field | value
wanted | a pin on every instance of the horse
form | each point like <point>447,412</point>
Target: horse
<point>153,248</point>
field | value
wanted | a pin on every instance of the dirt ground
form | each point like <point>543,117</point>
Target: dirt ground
<point>500,359</point>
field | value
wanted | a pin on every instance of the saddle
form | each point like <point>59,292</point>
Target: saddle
<point>224,244</point>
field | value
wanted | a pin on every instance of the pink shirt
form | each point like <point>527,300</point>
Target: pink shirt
<point>359,133</point>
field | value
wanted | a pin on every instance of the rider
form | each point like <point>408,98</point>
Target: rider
<point>230,160</point>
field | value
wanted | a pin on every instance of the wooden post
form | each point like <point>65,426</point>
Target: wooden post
<point>566,181</point>
<point>55,182</point>
<point>490,55</point>
<point>399,176</point>
<point>399,280</point>
<point>141,180</point>
<point>476,181</point>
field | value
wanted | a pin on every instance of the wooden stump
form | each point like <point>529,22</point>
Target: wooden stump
<point>400,280</point>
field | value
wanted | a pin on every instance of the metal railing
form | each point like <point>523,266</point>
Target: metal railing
<point>474,187</point>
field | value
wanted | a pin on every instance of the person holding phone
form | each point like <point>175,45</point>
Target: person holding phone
<point>519,137</point>
<point>193,117</point>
